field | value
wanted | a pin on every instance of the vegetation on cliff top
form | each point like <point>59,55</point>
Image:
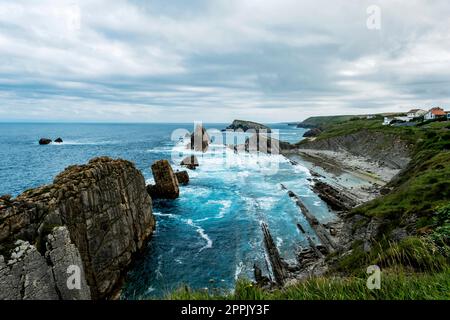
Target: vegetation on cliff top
<point>396,285</point>
<point>418,201</point>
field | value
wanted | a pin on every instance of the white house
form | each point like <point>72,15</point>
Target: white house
<point>415,113</point>
<point>434,113</point>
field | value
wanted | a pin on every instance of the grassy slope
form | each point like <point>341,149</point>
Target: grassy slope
<point>323,121</point>
<point>395,285</point>
<point>422,187</point>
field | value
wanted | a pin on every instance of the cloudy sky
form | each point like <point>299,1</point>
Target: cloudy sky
<point>216,60</point>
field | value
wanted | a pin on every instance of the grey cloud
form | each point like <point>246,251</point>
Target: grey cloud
<point>219,60</point>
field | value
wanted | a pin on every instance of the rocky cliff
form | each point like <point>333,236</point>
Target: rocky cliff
<point>386,149</point>
<point>93,217</point>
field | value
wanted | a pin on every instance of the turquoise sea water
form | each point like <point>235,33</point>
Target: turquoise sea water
<point>211,234</point>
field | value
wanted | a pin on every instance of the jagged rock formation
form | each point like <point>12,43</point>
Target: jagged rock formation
<point>247,125</point>
<point>199,139</point>
<point>335,199</point>
<point>166,182</point>
<point>279,266</point>
<point>328,243</point>
<point>260,279</point>
<point>93,216</point>
<point>182,177</point>
<point>190,162</point>
<point>44,141</point>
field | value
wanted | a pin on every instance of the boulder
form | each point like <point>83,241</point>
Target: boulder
<point>95,217</point>
<point>59,140</point>
<point>190,162</point>
<point>166,183</point>
<point>182,177</point>
<point>44,141</point>
<point>199,139</point>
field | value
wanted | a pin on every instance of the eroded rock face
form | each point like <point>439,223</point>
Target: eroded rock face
<point>29,275</point>
<point>182,177</point>
<point>386,149</point>
<point>95,216</point>
<point>166,183</point>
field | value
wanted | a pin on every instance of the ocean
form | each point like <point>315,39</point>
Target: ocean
<point>208,237</point>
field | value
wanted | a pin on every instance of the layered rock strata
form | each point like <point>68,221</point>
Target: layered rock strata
<point>89,222</point>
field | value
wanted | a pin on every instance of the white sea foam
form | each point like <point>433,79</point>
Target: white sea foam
<point>158,272</point>
<point>266,203</point>
<point>159,150</point>
<point>279,242</point>
<point>238,270</point>
<point>163,214</point>
<point>195,191</point>
<point>77,142</point>
<point>225,206</point>
<point>202,234</point>
<point>149,290</point>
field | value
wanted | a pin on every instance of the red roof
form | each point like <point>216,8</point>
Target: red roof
<point>437,112</point>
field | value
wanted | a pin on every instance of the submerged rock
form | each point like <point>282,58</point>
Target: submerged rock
<point>45,141</point>
<point>93,217</point>
<point>190,162</point>
<point>166,183</point>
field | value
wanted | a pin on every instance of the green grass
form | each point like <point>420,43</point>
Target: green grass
<point>324,121</point>
<point>396,284</point>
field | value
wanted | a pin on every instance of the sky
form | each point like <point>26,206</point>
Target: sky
<point>219,60</point>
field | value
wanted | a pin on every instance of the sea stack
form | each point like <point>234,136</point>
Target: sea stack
<point>166,182</point>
